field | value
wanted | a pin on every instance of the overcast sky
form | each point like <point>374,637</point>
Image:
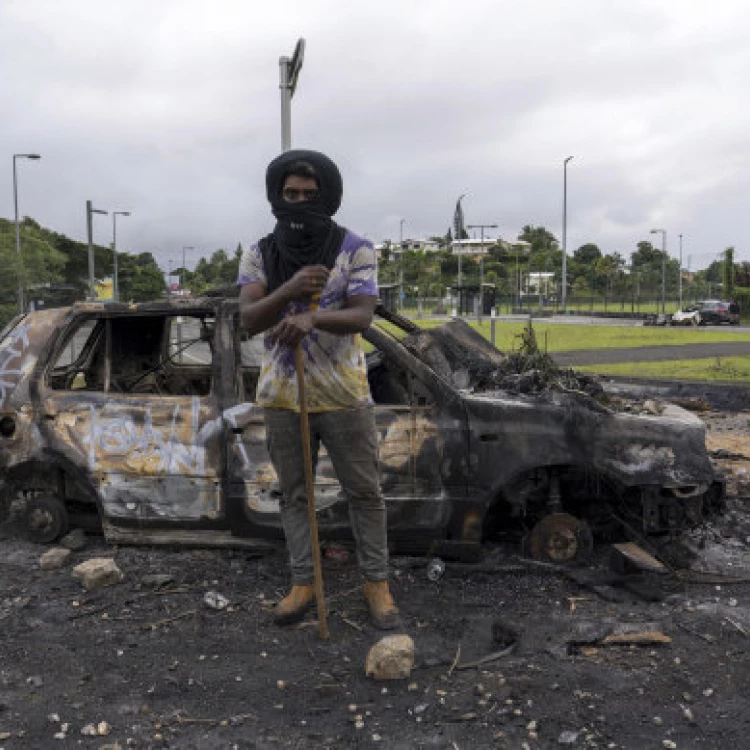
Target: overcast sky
<point>170,109</point>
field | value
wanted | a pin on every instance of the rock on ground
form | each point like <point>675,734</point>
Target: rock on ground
<point>75,540</point>
<point>54,558</point>
<point>391,658</point>
<point>97,572</point>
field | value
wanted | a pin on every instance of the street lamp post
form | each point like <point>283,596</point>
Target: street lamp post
<point>565,235</point>
<point>481,228</point>
<point>115,275</point>
<point>90,210</point>
<point>289,69</point>
<point>18,232</point>
<point>518,281</point>
<point>401,265</point>
<point>680,276</point>
<point>663,265</point>
<point>182,272</point>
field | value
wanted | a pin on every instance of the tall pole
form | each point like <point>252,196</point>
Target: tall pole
<point>481,228</point>
<point>289,68</point>
<point>18,230</point>
<point>680,276</point>
<point>663,265</point>
<point>286,104</point>
<point>115,273</point>
<point>90,210</point>
<point>401,265</point>
<point>565,235</point>
<point>182,272</point>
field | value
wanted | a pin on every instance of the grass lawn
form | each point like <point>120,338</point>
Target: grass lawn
<point>563,337</point>
<point>715,368</point>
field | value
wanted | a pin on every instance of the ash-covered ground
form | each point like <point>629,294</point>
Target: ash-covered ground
<point>147,663</point>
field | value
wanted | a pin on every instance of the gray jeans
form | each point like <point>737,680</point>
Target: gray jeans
<point>351,440</point>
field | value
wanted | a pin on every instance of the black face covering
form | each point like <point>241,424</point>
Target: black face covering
<point>305,234</point>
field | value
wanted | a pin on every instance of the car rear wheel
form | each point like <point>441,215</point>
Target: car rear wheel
<point>45,519</point>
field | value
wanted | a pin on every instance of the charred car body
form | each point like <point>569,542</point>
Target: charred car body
<point>143,415</point>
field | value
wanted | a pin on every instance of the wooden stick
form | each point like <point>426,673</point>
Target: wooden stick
<point>304,418</point>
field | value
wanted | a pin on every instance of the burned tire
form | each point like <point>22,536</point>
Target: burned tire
<point>45,519</point>
<point>560,538</point>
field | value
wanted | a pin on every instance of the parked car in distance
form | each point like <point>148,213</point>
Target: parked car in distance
<point>707,312</point>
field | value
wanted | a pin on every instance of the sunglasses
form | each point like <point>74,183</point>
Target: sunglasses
<point>293,195</point>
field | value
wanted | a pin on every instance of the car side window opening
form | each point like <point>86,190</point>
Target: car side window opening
<point>156,354</point>
<point>391,384</point>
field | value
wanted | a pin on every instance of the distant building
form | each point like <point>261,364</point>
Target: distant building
<point>395,248</point>
<point>482,246</point>
<point>539,282</point>
<point>426,246</point>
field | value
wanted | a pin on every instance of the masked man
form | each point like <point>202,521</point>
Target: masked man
<point>308,256</point>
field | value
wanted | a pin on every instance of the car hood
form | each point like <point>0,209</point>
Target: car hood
<point>635,449</point>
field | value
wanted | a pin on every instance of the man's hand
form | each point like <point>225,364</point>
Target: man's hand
<point>306,283</point>
<point>293,329</point>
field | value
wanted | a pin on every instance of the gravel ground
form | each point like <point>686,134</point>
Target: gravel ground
<point>149,665</point>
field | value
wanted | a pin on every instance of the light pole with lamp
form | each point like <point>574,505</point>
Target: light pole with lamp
<point>18,231</point>
<point>680,276</point>
<point>481,228</point>
<point>90,210</point>
<point>115,274</point>
<point>182,272</point>
<point>288,74</point>
<point>565,235</point>
<point>401,265</point>
<point>663,264</point>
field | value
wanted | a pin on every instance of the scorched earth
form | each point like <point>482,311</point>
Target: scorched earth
<point>509,653</point>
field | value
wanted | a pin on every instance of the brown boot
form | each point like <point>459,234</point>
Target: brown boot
<point>383,610</point>
<point>293,607</point>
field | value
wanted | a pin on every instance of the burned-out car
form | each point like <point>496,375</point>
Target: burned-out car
<point>143,417</point>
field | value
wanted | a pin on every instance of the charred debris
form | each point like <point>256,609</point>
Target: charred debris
<point>527,370</point>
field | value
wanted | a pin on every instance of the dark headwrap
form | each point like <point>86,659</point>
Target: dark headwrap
<point>305,234</point>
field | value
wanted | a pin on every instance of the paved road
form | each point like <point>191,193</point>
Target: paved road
<point>652,353</point>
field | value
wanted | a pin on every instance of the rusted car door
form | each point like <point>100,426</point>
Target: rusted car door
<point>411,434</point>
<point>152,455</point>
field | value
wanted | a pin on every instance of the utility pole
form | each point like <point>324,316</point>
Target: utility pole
<point>481,228</point>
<point>90,210</point>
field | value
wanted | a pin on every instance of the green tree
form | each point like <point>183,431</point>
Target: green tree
<point>539,238</point>
<point>586,254</point>
<point>140,278</point>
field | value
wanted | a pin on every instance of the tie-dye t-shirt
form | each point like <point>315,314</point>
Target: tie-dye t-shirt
<point>335,371</point>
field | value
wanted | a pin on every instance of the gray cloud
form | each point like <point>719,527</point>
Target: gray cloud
<point>171,110</point>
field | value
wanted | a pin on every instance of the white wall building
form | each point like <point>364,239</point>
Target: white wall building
<point>481,247</point>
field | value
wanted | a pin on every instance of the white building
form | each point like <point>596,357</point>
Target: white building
<point>482,246</point>
<point>394,248</point>
<point>539,282</point>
